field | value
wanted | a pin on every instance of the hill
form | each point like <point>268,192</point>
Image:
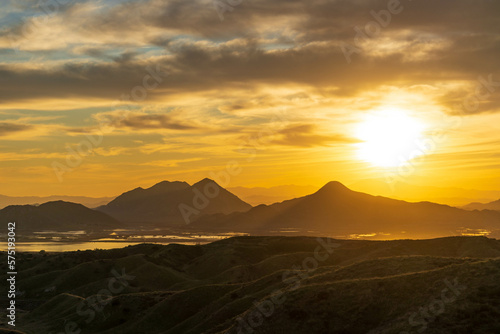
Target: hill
<point>266,285</point>
<point>402,190</point>
<point>495,205</point>
<point>337,211</point>
<point>261,195</point>
<point>56,216</point>
<point>174,203</point>
<point>89,202</point>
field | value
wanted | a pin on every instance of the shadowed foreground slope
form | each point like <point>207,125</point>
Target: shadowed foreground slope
<point>267,285</point>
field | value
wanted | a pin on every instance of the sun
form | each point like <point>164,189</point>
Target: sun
<point>389,137</point>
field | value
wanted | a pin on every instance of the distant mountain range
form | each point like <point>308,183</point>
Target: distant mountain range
<point>495,205</point>
<point>89,202</point>
<point>337,211</point>
<point>414,192</point>
<point>57,216</point>
<point>261,195</point>
<point>174,203</point>
<point>334,211</point>
<point>270,195</point>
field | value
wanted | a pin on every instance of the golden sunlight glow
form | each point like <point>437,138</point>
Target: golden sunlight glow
<point>389,137</point>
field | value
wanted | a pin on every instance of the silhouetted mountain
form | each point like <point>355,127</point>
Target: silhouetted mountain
<point>56,216</point>
<point>453,196</point>
<point>174,203</point>
<point>89,202</point>
<point>483,206</point>
<point>271,195</point>
<point>266,285</point>
<point>335,210</point>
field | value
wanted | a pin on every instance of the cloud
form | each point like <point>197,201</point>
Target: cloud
<point>259,42</point>
<point>170,162</point>
<point>298,135</point>
<point>7,128</point>
<point>143,121</point>
<point>305,135</point>
<point>230,77</point>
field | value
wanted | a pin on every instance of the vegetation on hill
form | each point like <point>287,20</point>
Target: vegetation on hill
<point>267,285</point>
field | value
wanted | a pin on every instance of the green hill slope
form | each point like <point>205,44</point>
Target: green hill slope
<point>267,285</point>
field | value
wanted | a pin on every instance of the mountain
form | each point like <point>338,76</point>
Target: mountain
<point>174,203</point>
<point>56,216</point>
<point>265,285</point>
<point>337,211</point>
<point>89,202</point>
<point>261,195</point>
<point>483,206</point>
<point>399,189</point>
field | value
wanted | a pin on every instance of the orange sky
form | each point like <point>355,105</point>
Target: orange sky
<point>167,90</point>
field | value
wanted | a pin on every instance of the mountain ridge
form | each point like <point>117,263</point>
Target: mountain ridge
<point>495,205</point>
<point>56,216</point>
<point>336,209</point>
<point>90,202</point>
<point>163,203</point>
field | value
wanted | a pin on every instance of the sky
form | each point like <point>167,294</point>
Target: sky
<point>99,97</point>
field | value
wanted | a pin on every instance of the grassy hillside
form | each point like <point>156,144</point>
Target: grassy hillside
<point>267,285</point>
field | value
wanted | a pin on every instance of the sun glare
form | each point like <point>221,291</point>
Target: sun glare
<point>389,137</point>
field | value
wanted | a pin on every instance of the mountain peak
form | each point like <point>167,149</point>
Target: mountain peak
<point>169,185</point>
<point>334,186</point>
<point>60,204</point>
<point>164,202</point>
<point>205,181</point>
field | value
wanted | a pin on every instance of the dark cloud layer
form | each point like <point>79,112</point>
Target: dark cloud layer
<point>429,41</point>
<point>8,128</point>
<point>305,135</point>
<point>146,122</point>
